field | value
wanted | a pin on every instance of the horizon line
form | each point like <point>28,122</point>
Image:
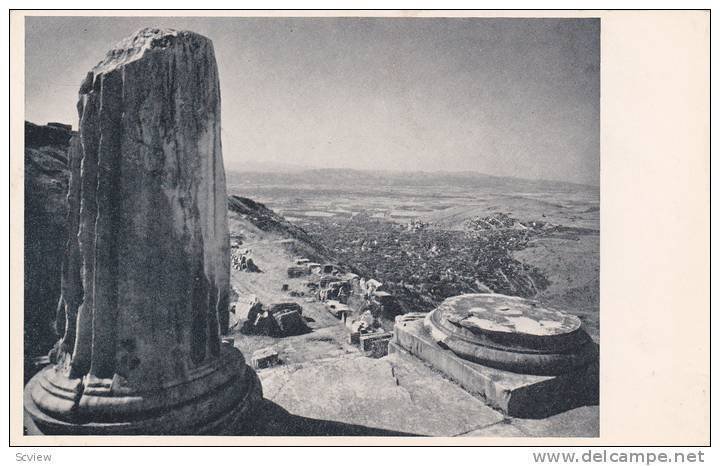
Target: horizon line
<point>295,169</point>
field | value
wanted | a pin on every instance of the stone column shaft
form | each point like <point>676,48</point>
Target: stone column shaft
<point>146,278</point>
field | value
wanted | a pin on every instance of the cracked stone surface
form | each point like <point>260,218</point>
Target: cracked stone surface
<point>508,314</point>
<point>355,395</point>
<point>377,393</point>
<point>149,292</point>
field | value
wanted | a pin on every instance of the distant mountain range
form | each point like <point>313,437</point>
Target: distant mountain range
<point>346,177</point>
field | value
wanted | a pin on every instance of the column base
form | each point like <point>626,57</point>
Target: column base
<point>219,401</point>
<point>514,394</point>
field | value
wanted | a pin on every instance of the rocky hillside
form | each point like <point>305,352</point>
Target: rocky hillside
<point>46,178</point>
<point>265,219</point>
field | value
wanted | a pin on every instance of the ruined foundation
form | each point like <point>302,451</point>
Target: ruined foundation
<point>145,280</point>
<point>521,358</point>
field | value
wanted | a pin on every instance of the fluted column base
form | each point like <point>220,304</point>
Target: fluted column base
<point>216,400</point>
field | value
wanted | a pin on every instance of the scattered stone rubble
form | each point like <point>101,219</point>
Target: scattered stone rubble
<point>288,318</point>
<point>337,309</point>
<point>241,260</point>
<point>359,303</point>
<point>336,290</point>
<point>314,267</point>
<point>375,345</point>
<point>277,320</point>
<point>296,271</point>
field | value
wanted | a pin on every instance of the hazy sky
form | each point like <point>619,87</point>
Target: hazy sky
<point>517,97</point>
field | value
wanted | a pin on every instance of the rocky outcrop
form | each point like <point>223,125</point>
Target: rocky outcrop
<point>46,183</point>
<point>266,219</point>
<point>145,282</point>
<point>52,135</point>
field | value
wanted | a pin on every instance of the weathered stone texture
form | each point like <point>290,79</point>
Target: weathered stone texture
<point>152,222</point>
<point>511,333</point>
<point>146,279</point>
<point>46,186</point>
<point>515,394</point>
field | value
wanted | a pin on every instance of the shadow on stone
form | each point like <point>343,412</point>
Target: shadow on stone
<point>273,420</point>
<point>515,394</point>
<point>276,320</point>
<point>537,402</point>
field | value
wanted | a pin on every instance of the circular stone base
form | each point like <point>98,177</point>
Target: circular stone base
<point>511,333</point>
<point>216,402</point>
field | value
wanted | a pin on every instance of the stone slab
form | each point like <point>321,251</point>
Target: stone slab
<point>266,357</point>
<point>518,395</point>
<point>296,271</point>
<point>354,338</point>
<point>337,309</point>
<point>349,320</point>
<point>288,318</point>
<point>339,314</point>
<point>375,344</point>
<point>501,429</point>
<point>404,397</point>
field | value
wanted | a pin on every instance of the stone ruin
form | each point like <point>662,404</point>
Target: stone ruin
<point>242,261</point>
<point>277,320</point>
<point>145,277</point>
<point>359,303</point>
<point>296,271</point>
<point>265,357</point>
<point>525,359</point>
<point>338,290</point>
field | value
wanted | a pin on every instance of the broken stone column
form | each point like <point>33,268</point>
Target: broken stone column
<point>146,275</point>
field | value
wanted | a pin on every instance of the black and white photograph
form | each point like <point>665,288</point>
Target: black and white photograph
<point>336,226</point>
<point>312,226</point>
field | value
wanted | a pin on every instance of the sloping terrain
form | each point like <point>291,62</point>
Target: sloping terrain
<point>422,235</point>
<point>326,386</point>
<point>259,218</point>
<point>323,385</point>
<point>572,268</point>
<point>273,244</point>
<point>46,178</point>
